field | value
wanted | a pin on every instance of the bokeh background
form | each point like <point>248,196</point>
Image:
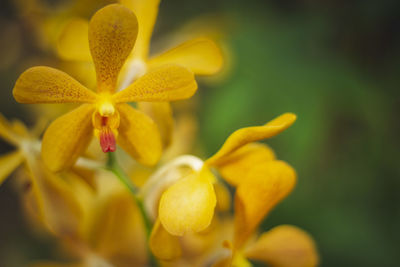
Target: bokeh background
<point>335,63</point>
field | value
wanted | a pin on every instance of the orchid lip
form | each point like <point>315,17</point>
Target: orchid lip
<point>107,140</point>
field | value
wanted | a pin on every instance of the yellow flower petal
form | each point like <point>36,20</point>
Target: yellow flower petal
<point>235,166</point>
<point>146,12</point>
<point>73,41</point>
<point>201,55</point>
<point>67,137</point>
<point>57,207</point>
<point>6,131</point>
<point>188,205</point>
<point>167,83</point>
<point>138,135</point>
<point>47,85</point>
<point>285,246</point>
<point>112,35</point>
<point>118,231</point>
<point>83,71</point>
<point>161,114</point>
<point>8,163</point>
<point>19,128</point>
<point>164,245</point>
<point>250,134</point>
<point>264,187</point>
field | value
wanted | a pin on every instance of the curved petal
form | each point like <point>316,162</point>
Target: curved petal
<point>285,246</point>
<point>201,55</point>
<point>73,43</point>
<point>67,137</point>
<point>8,163</point>
<point>138,135</point>
<point>161,114</point>
<point>263,188</point>
<point>247,135</point>
<point>164,245</point>
<point>188,205</point>
<point>146,12</point>
<point>235,166</point>
<point>112,35</point>
<point>167,83</point>
<point>47,85</point>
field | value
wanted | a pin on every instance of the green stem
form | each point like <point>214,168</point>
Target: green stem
<point>113,166</point>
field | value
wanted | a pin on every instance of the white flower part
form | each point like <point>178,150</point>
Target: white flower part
<point>135,69</point>
<point>89,164</point>
<point>30,146</point>
<point>165,177</point>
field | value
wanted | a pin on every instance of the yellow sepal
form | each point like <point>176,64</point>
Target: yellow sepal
<point>247,135</point>
<point>260,191</point>
<point>47,85</point>
<point>7,132</point>
<point>8,163</point>
<point>73,44</point>
<point>161,114</point>
<point>236,165</point>
<point>112,35</point>
<point>201,55</point>
<point>146,12</point>
<point>166,83</point>
<point>284,246</point>
<point>67,137</point>
<point>139,135</point>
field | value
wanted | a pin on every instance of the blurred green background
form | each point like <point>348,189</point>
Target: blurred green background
<point>335,63</point>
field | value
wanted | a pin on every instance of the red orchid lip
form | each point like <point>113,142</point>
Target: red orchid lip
<point>107,140</point>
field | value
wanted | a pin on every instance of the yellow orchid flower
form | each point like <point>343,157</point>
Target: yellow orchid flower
<point>112,35</point>
<point>113,232</point>
<point>188,200</point>
<point>285,246</point>
<point>195,249</point>
<point>48,19</point>
<point>201,55</point>
<point>17,135</point>
<point>45,191</point>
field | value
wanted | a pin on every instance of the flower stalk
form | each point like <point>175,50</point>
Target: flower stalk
<point>115,168</point>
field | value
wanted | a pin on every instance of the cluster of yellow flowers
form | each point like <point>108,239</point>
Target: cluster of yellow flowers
<point>113,211</point>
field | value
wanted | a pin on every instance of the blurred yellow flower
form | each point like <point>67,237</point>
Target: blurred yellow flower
<point>16,134</point>
<point>111,229</point>
<point>188,205</point>
<point>181,212</point>
<point>260,190</point>
<point>112,35</point>
<point>201,55</point>
<point>47,192</point>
